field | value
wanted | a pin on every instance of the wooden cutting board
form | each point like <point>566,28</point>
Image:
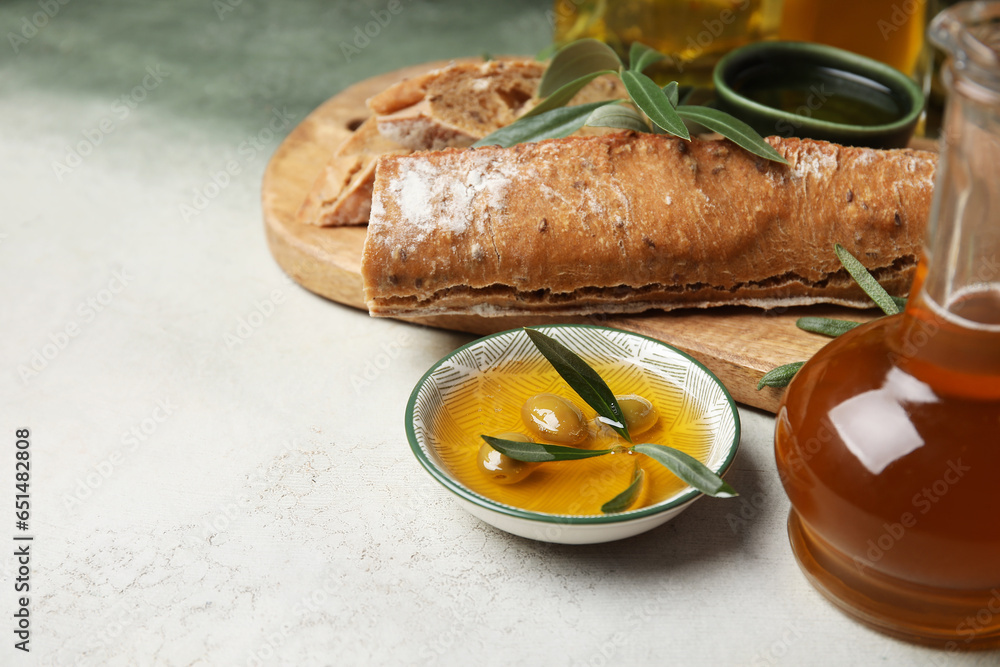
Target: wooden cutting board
<point>737,344</point>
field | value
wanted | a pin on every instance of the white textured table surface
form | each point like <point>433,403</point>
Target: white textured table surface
<point>219,469</point>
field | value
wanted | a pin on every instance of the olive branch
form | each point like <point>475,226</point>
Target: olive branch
<point>826,326</point>
<point>652,109</point>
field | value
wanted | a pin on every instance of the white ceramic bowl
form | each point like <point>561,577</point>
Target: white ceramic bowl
<point>485,359</point>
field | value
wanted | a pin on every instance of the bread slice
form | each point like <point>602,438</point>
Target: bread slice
<point>627,222</point>
<point>457,105</point>
<point>454,105</point>
<point>342,195</point>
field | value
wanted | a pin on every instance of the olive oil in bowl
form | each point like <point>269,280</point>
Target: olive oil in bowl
<point>814,91</point>
<point>823,93</point>
<point>491,405</point>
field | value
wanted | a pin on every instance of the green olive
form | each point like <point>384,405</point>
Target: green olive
<point>554,418</point>
<point>640,415</point>
<point>501,468</point>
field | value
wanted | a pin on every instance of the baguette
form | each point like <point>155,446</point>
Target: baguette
<point>626,222</point>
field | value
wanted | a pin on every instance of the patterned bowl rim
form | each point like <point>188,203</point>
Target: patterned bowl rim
<point>467,494</point>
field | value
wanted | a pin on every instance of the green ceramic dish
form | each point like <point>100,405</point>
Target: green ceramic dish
<point>799,89</point>
<point>491,361</point>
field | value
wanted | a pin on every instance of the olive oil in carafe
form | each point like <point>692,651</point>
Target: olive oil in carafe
<point>924,527</point>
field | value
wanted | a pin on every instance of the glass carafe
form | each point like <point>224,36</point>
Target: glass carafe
<point>888,440</point>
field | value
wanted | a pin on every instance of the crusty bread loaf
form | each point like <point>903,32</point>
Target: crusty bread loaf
<point>342,195</point>
<point>627,222</point>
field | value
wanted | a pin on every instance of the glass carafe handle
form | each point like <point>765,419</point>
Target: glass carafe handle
<point>969,33</point>
<point>961,276</point>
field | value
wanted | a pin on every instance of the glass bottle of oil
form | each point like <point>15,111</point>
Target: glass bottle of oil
<point>888,440</point>
<point>891,31</point>
<point>693,35</point>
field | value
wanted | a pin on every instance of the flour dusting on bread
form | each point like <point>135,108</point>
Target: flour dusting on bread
<point>428,204</point>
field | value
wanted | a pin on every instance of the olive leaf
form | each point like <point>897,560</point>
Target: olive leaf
<point>731,128</point>
<point>621,117</point>
<point>890,305</point>
<point>536,452</point>
<point>867,282</point>
<point>685,93</point>
<point>549,125</point>
<point>622,501</point>
<point>564,94</point>
<point>578,63</point>
<point>547,52</point>
<point>641,56</point>
<point>689,469</point>
<point>825,325</point>
<point>671,91</point>
<point>653,102</point>
<point>577,59</point>
<point>780,376</point>
<point>583,379</point>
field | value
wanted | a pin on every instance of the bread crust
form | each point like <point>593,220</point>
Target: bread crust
<point>626,222</point>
